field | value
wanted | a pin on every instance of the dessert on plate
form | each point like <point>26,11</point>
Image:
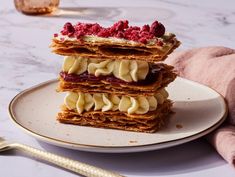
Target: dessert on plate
<point>113,77</point>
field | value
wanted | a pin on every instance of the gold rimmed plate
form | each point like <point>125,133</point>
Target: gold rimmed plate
<point>198,111</point>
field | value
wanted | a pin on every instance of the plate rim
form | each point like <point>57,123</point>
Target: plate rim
<point>133,148</point>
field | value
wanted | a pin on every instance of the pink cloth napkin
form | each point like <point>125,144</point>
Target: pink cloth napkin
<point>214,67</point>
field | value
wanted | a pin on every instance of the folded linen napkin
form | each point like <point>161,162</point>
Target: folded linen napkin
<point>214,67</point>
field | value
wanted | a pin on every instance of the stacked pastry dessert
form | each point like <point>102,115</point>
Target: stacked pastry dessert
<point>113,77</point>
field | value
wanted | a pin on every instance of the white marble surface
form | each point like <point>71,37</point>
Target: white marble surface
<point>26,60</point>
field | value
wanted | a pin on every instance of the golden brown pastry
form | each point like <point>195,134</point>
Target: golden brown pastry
<point>113,77</point>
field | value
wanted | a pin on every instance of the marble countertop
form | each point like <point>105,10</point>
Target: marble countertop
<point>26,60</point>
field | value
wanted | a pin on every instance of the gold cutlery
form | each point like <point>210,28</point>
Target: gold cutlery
<point>72,165</point>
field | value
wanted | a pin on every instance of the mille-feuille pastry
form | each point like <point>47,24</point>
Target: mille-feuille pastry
<point>112,77</point>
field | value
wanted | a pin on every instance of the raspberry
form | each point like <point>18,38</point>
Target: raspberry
<point>144,33</point>
<point>143,40</point>
<point>104,33</point>
<point>119,29</point>
<point>128,31</point>
<point>120,35</point>
<point>126,35</point>
<point>135,33</point>
<point>125,24</point>
<point>70,34</point>
<point>64,32</point>
<point>78,34</point>
<point>145,28</point>
<point>89,32</point>
<point>157,29</point>
<point>135,28</point>
<point>69,28</point>
<point>88,25</point>
<point>95,28</point>
<point>119,26</point>
<point>78,26</point>
<point>134,36</point>
<point>84,27</point>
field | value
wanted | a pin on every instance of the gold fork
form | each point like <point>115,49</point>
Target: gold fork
<point>75,166</point>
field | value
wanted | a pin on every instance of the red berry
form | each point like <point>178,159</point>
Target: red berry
<point>144,33</point>
<point>135,33</point>
<point>70,34</point>
<point>69,27</point>
<point>64,32</point>
<point>119,26</point>
<point>78,34</point>
<point>120,34</point>
<point>56,35</point>
<point>119,29</point>
<point>157,29</point>
<point>134,36</point>
<point>89,32</point>
<point>104,33</point>
<point>125,24</point>
<point>128,31</point>
<point>88,25</point>
<point>146,28</point>
<point>135,28</point>
<point>95,28</point>
<point>143,40</point>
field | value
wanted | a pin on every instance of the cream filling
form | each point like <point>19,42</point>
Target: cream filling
<point>93,38</point>
<point>81,102</point>
<point>127,70</point>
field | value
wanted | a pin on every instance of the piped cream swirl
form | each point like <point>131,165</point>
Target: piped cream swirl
<point>74,65</point>
<point>81,102</point>
<point>126,70</point>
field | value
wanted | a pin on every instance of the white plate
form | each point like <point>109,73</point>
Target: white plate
<point>198,109</point>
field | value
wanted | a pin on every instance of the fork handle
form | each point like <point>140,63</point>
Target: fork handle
<point>75,166</point>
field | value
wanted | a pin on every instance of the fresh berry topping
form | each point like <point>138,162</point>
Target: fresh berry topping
<point>157,29</point>
<point>119,26</point>
<point>79,34</point>
<point>56,35</point>
<point>120,34</point>
<point>143,40</point>
<point>69,29</point>
<point>125,24</point>
<point>135,28</point>
<point>96,28</point>
<point>103,33</point>
<point>146,28</point>
<point>120,29</point>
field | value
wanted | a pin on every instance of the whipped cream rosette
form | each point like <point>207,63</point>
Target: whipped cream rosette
<point>112,75</point>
